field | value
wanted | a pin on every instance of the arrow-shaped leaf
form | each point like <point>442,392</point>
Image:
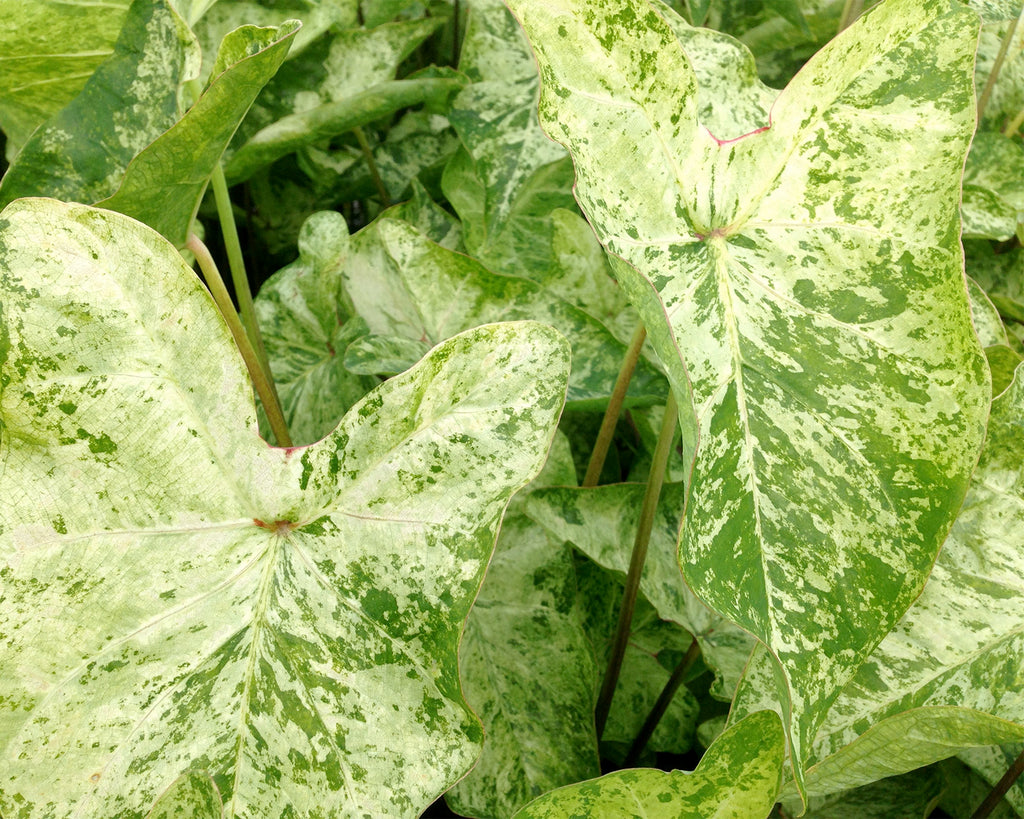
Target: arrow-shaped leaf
<point>180,597</point>
<point>803,285</point>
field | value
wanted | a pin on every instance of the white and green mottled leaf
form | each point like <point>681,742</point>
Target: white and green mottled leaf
<point>510,176</point>
<point>403,284</point>
<point>995,11</point>
<point>1003,362</point>
<point>808,303</point>
<point>317,16</point>
<point>601,522</point>
<point>372,354</point>
<point>910,796</point>
<point>164,183</point>
<point>993,187</point>
<point>992,762</point>
<point>307,329</point>
<point>334,68</point>
<point>528,671</point>
<point>581,274</point>
<point>48,50</point>
<point>417,147</point>
<point>193,794</point>
<point>80,154</point>
<point>737,779</point>
<point>951,674</point>
<point>298,130</point>
<point>655,648</point>
<point>179,596</point>
<point>987,321</point>
<point>1007,95</point>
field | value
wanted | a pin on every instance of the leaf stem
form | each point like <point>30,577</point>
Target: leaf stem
<point>851,11</point>
<point>636,562</point>
<point>371,163</point>
<point>239,278</point>
<point>263,387</point>
<point>1001,789</point>
<point>997,65</point>
<point>614,408</point>
<point>1013,127</point>
<point>662,704</point>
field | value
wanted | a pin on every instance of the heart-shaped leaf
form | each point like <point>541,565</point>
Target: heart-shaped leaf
<point>748,754</point>
<point>807,300</point>
<point>180,597</point>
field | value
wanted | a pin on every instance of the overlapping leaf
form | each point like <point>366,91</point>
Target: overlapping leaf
<point>529,673</point>
<point>80,154</point>
<point>181,600</point>
<point>601,522</point>
<point>738,777</point>
<point>808,302</point>
<point>164,183</point>
<point>403,284</point>
<point>509,178</point>
<point>306,328</point>
<point>48,50</point>
<point>951,674</point>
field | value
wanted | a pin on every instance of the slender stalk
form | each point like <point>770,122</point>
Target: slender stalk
<point>371,163</point>
<point>1001,789</point>
<point>239,278</point>
<point>636,563</point>
<point>262,385</point>
<point>1013,127</point>
<point>611,413</point>
<point>990,83</point>
<point>851,11</point>
<point>662,704</point>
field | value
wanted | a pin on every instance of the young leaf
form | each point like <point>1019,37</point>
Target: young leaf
<point>179,596</point>
<point>80,154</point>
<point>805,297</point>
<point>164,183</point>
<point>738,777</point>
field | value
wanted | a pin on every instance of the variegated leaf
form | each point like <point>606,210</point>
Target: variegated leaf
<point>950,676</point>
<point>808,302</point>
<point>403,284</point>
<point>48,50</point>
<point>307,330</point>
<point>164,183</point>
<point>738,778</point>
<point>528,671</point>
<point>510,176</point>
<point>601,522</point>
<point>179,597</point>
<point>80,154</point>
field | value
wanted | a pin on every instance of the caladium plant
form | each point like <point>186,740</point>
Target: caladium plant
<point>799,312</point>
